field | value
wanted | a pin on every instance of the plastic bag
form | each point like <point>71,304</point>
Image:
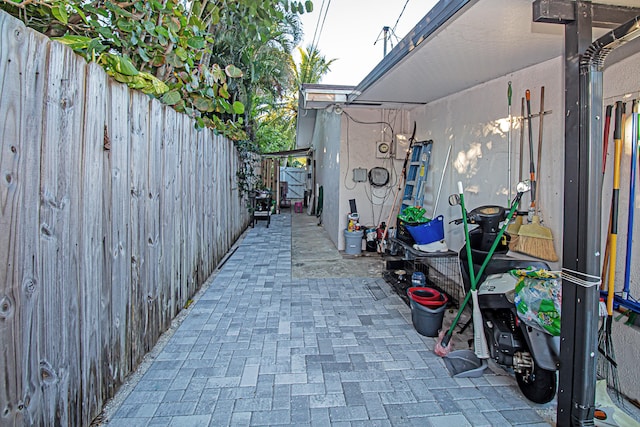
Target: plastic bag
<point>413,214</point>
<point>538,299</point>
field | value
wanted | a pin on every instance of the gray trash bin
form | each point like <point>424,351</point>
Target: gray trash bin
<point>353,242</point>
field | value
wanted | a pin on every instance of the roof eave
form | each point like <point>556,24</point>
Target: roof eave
<point>435,18</point>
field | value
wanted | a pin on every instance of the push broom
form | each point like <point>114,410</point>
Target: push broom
<point>443,346</point>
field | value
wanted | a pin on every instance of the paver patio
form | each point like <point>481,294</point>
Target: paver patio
<point>258,348</point>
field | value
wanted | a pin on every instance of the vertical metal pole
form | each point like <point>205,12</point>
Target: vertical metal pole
<point>386,36</point>
<point>581,239</point>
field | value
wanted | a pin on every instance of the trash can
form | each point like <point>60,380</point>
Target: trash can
<point>426,321</point>
<point>353,242</point>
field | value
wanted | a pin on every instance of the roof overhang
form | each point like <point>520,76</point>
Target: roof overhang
<point>319,96</point>
<point>462,43</point>
<point>458,45</point>
<point>298,152</point>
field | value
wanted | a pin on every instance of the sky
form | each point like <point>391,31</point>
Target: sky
<point>352,33</point>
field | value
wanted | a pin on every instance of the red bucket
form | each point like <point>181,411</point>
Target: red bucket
<point>427,297</point>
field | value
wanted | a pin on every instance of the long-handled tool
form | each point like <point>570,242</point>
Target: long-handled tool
<point>479,339</point>
<point>509,94</point>
<point>540,133</point>
<point>444,169</point>
<point>442,347</point>
<point>625,300</point>
<point>514,227</point>
<point>632,201</point>
<point>532,169</point>
<point>605,147</point>
<point>613,232</point>
<point>535,239</point>
<point>608,365</point>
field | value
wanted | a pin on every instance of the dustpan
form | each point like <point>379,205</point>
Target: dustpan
<point>464,364</point>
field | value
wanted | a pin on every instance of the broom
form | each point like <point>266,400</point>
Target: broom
<point>535,239</point>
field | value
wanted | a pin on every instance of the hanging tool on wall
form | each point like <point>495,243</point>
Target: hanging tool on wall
<point>615,196</point>
<point>605,148</point>
<point>532,169</point>
<point>607,362</point>
<point>444,169</point>
<point>535,239</point>
<point>632,199</point>
<point>509,94</point>
<point>514,226</point>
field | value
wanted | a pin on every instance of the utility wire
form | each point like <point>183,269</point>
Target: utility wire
<point>315,32</point>
<point>393,30</point>
<point>317,42</point>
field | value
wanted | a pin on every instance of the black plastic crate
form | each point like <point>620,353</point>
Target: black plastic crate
<point>403,234</point>
<point>442,272</point>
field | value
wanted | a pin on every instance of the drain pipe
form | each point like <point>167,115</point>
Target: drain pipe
<point>581,252</point>
<point>592,66</point>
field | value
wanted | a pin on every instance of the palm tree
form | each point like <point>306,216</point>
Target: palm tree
<point>313,66</point>
<point>276,114</point>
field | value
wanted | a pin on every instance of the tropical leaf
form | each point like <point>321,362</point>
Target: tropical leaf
<point>121,65</point>
<point>218,74</point>
<point>233,71</point>
<point>196,42</point>
<point>74,42</point>
<point>222,91</point>
<point>143,54</point>
<point>203,104</point>
<point>171,98</point>
<point>238,107</point>
<point>60,13</point>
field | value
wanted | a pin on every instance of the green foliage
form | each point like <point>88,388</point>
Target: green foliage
<point>171,49</point>
<point>226,63</point>
<point>276,115</point>
<point>313,65</point>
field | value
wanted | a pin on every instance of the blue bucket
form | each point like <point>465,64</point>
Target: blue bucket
<point>428,232</point>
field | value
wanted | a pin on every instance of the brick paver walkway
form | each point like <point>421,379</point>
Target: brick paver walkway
<point>261,349</point>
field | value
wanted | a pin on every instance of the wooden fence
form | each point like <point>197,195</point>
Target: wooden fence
<point>113,212</point>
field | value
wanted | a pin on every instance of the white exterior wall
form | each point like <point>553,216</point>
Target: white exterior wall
<point>468,121</point>
<point>474,123</point>
<point>361,130</point>
<point>326,143</point>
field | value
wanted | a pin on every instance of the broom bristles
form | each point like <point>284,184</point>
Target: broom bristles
<point>535,240</point>
<point>512,229</point>
<point>536,247</point>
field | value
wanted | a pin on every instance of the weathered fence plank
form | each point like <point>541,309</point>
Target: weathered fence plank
<point>22,65</point>
<point>138,158</point>
<point>153,249</point>
<point>120,251</point>
<point>59,215</point>
<point>117,210</point>
<point>93,302</point>
<point>170,216</point>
